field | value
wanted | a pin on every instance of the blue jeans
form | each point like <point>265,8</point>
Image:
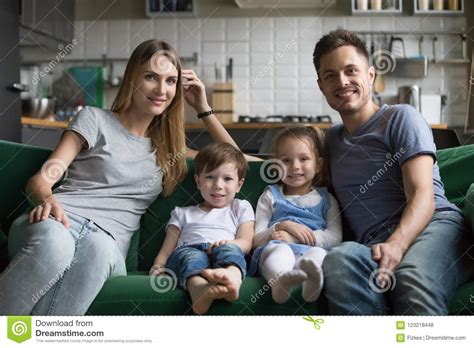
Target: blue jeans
<point>56,271</point>
<point>436,263</point>
<point>190,260</point>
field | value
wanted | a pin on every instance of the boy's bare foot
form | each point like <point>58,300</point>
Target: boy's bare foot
<point>227,282</point>
<point>198,288</point>
<point>282,286</point>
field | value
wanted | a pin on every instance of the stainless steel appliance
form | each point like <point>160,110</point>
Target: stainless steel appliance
<point>410,95</point>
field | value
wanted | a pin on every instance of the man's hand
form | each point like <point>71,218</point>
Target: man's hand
<point>301,232</point>
<point>284,237</point>
<point>388,255</point>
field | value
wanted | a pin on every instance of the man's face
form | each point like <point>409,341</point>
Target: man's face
<point>345,79</point>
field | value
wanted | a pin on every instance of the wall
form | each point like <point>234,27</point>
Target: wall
<point>273,54</point>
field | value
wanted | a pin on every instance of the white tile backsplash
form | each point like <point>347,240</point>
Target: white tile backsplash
<point>286,83</point>
<point>118,36</point>
<point>309,29</point>
<point>261,95</point>
<point>261,29</point>
<point>189,29</point>
<point>286,29</point>
<point>167,30</point>
<point>286,95</point>
<point>237,29</point>
<point>261,46</point>
<point>95,39</point>
<point>213,29</point>
<point>273,68</point>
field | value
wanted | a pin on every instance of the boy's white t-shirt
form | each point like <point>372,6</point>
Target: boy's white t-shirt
<point>200,226</point>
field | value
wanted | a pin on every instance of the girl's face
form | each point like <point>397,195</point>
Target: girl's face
<point>300,162</point>
<point>156,85</point>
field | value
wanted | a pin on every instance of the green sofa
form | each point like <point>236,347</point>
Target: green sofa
<point>135,294</point>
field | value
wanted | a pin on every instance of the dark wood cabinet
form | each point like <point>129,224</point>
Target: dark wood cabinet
<point>10,103</point>
<point>47,22</point>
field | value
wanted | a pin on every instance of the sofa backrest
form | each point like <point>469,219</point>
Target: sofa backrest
<point>18,162</point>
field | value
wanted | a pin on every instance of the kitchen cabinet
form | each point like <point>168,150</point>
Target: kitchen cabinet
<point>48,22</point>
<point>10,103</point>
<point>376,7</point>
<point>47,137</point>
<point>170,8</point>
<point>438,7</point>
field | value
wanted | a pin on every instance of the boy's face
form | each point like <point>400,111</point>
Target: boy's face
<point>218,187</point>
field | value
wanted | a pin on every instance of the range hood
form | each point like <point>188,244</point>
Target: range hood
<point>284,3</point>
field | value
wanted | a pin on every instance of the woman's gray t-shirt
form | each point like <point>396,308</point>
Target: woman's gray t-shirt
<point>114,180</point>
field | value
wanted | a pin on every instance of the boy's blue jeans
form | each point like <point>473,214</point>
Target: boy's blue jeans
<point>56,271</point>
<point>438,261</point>
<point>189,260</point>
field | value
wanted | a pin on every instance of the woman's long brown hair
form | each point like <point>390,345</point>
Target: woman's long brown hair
<point>167,130</point>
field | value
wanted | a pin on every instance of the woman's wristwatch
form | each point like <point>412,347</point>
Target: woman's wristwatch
<point>205,114</point>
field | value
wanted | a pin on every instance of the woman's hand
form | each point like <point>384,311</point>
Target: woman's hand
<point>283,236</point>
<point>194,91</point>
<point>301,232</point>
<point>49,206</point>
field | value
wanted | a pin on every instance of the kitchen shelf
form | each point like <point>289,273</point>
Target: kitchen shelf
<point>260,125</point>
<point>450,61</point>
<point>431,11</point>
<point>43,122</point>
<point>154,9</point>
<point>398,9</point>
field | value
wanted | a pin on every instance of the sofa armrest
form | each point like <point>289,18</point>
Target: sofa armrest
<point>469,207</point>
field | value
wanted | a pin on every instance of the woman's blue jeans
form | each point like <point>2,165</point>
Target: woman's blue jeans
<point>438,261</point>
<point>56,271</point>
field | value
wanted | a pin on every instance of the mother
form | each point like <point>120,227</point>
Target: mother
<point>77,236</point>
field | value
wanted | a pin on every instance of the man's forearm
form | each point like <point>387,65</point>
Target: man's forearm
<point>416,215</point>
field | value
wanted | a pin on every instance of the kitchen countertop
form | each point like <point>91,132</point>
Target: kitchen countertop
<point>27,121</point>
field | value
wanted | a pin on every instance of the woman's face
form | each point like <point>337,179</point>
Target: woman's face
<point>156,85</point>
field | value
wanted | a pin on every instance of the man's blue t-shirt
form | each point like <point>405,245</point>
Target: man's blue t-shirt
<point>366,168</point>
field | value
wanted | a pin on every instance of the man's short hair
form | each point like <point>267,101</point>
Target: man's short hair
<point>214,155</point>
<point>335,39</point>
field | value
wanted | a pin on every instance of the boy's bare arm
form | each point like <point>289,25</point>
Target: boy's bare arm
<point>169,244</point>
<point>244,236</point>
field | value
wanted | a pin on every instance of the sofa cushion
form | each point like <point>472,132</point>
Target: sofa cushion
<point>456,167</point>
<point>3,251</point>
<point>134,295</point>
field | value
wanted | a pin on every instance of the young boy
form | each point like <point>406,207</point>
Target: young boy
<point>205,244</point>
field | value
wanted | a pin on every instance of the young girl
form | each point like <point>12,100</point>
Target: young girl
<point>77,236</point>
<point>297,221</point>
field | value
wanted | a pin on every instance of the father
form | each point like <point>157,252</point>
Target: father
<point>409,240</point>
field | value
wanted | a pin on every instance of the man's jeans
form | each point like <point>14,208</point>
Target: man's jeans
<point>56,271</point>
<point>189,260</point>
<point>437,262</point>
